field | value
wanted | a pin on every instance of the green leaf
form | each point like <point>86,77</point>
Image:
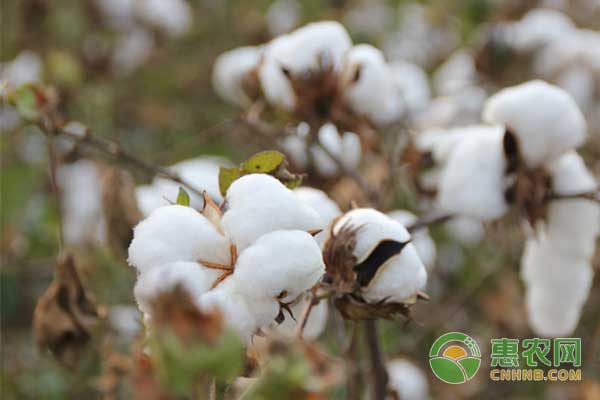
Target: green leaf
<point>226,178</point>
<point>183,198</point>
<point>26,103</point>
<point>263,162</point>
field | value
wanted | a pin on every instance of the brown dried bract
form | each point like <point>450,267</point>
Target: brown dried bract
<point>353,307</point>
<point>340,260</point>
<point>65,315</point>
<point>176,311</point>
<point>121,210</point>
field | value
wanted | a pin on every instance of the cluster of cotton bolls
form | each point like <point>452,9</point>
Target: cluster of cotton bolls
<point>481,175</point>
<point>249,262</point>
<point>134,20</point>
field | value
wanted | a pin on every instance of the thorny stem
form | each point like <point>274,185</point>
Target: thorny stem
<point>379,372</point>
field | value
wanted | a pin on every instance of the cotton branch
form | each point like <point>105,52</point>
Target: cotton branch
<point>379,372</point>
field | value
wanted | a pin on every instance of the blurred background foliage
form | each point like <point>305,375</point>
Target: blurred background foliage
<point>166,111</point>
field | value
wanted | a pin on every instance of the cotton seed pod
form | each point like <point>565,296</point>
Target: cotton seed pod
<point>544,118</point>
<point>423,243</point>
<point>176,233</point>
<point>306,50</point>
<point>368,85</point>
<point>407,380</point>
<point>572,224</point>
<point>194,279</point>
<point>246,316</point>
<point>230,71</point>
<point>279,265</point>
<point>201,172</point>
<point>472,183</point>
<point>386,264</point>
<point>258,204</point>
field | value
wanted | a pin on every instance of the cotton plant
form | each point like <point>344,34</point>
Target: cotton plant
<point>533,166</point>
<point>201,172</point>
<point>250,262</point>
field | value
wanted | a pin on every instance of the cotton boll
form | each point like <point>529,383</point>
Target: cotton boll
<point>544,118</point>
<point>407,380</point>
<point>25,68</point>
<point>283,16</point>
<point>459,109</point>
<point>229,70</point>
<point>295,148</point>
<point>81,198</point>
<point>125,320</point>
<point>191,276</point>
<point>368,85</point>
<point>315,324</point>
<point>258,204</point>
<point>573,224</point>
<point>300,52</point>
<point>131,51</point>
<point>319,201</point>
<point>279,265</point>
<point>579,82</point>
<point>472,183</point>
<point>466,230</point>
<point>174,17</point>
<point>176,233</point>
<point>456,73</point>
<point>539,27</point>
<point>201,172</point>
<point>423,243</point>
<point>120,14</point>
<point>412,83</point>
<point>345,148</point>
<point>547,322</point>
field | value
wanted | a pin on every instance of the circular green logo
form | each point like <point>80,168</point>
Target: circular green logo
<point>454,357</point>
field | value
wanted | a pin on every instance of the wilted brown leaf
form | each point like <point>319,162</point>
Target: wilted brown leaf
<point>66,315</point>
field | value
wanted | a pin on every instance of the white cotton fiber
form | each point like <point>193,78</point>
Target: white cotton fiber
<point>472,183</point>
<point>229,70</point>
<point>412,84</point>
<point>319,201</point>
<point>174,17</point>
<point>258,204</point>
<point>345,148</point>
<point>544,118</point>
<point>176,233</point>
<point>279,265</point>
<point>420,238</point>
<point>407,380</point>
<point>456,73</point>
<point>465,230</point>
<point>537,28</point>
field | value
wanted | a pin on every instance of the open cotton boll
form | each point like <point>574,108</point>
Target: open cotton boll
<point>191,276</point>
<point>319,201</point>
<point>407,380</point>
<point>459,109</point>
<point>258,204</point>
<point>466,230</point>
<point>412,83</point>
<point>131,51</point>
<point>579,82</point>
<point>573,224</point>
<point>283,16</point>
<point>201,172</point>
<point>26,67</point>
<point>546,321</point>
<point>368,85</point>
<point>245,316</point>
<point>345,148</point>
<point>300,52</point>
<point>279,265</point>
<point>544,118</point>
<point>423,243</point>
<point>456,73</point>
<point>228,73</point>
<point>81,203</point>
<point>174,17</point>
<point>176,233</point>
<point>315,324</point>
<point>537,28</point>
<point>472,183</point>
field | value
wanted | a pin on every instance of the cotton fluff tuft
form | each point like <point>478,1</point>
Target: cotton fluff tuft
<point>407,380</point>
<point>346,148</point>
<point>174,17</point>
<point>300,52</point>
<point>201,172</point>
<point>229,70</point>
<point>544,118</point>
<point>472,183</point>
<point>176,233</point>
<point>279,265</point>
<point>320,202</point>
<point>537,28</point>
<point>368,85</point>
<point>412,83</point>
<point>258,204</point>
<point>423,242</point>
<point>404,274</point>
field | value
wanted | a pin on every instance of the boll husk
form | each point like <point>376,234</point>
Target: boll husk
<point>398,278</point>
<point>201,172</point>
<point>258,204</point>
<point>229,72</point>
<point>306,50</point>
<point>472,182</point>
<point>407,380</point>
<point>423,242</point>
<point>544,118</point>
<point>368,85</point>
